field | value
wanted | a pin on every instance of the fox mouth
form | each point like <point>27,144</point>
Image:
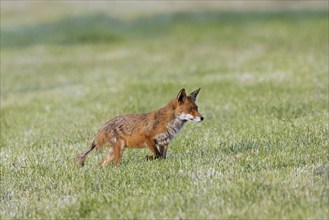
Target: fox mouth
<point>188,117</point>
<point>197,119</point>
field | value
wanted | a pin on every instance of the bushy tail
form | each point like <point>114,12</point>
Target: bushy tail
<point>80,160</point>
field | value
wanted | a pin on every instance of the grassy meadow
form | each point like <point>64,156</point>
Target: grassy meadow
<point>261,152</point>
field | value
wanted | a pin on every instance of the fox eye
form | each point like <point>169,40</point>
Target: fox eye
<point>189,109</point>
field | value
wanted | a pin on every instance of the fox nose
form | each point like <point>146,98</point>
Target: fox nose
<point>202,118</point>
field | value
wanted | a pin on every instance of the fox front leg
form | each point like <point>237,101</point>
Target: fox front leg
<point>155,151</point>
<point>162,154</point>
<point>153,157</point>
<point>163,151</point>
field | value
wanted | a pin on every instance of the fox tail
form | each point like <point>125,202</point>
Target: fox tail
<point>80,159</point>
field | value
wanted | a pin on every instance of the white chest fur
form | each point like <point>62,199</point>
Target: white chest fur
<point>172,129</point>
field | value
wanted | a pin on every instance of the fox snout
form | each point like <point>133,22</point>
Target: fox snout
<point>189,117</point>
<point>198,119</point>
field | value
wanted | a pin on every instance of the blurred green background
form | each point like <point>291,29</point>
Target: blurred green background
<point>261,152</point>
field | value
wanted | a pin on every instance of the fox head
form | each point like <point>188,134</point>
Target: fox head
<point>186,109</point>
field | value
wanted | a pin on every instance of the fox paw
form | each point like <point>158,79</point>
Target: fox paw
<point>148,157</point>
<point>152,157</point>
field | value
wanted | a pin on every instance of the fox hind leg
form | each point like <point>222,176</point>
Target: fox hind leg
<point>118,151</point>
<point>108,158</point>
<point>114,154</point>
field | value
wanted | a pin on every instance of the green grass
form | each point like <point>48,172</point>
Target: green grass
<point>261,152</point>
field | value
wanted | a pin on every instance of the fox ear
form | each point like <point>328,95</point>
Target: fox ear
<point>181,96</point>
<point>194,94</point>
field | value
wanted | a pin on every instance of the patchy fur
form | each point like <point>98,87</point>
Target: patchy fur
<point>154,130</point>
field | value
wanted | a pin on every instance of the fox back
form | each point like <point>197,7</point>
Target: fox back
<point>154,130</point>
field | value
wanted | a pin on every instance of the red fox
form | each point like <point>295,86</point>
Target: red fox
<point>154,130</point>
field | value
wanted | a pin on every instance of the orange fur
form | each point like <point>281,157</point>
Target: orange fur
<point>154,130</point>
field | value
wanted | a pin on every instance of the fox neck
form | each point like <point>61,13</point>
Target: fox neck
<point>173,120</point>
<point>172,125</point>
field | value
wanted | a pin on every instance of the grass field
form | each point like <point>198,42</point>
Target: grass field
<point>261,152</point>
